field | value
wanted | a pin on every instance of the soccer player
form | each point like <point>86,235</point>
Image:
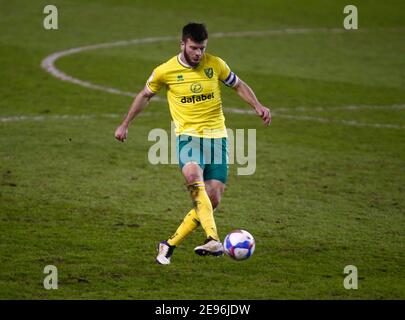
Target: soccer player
<point>192,79</point>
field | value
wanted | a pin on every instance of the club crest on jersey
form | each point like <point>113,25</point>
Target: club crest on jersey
<point>209,72</point>
<point>196,87</point>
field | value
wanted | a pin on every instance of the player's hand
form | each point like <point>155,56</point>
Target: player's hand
<point>121,133</point>
<point>264,113</point>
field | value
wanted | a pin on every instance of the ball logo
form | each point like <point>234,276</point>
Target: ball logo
<point>196,87</point>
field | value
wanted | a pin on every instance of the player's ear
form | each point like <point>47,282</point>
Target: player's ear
<point>182,44</point>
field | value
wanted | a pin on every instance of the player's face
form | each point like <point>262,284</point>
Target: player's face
<point>193,51</point>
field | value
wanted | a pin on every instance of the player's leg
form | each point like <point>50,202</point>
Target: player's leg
<point>193,173</point>
<point>215,176</point>
<point>191,221</point>
<point>195,182</point>
<point>202,213</point>
<point>214,189</point>
<point>165,248</point>
<point>212,194</point>
<point>190,162</point>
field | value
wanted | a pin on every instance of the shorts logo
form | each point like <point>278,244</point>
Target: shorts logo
<point>196,87</point>
<point>209,72</point>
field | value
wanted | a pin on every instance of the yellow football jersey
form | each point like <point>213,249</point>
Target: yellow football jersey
<point>194,94</point>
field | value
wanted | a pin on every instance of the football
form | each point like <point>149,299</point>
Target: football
<point>239,244</point>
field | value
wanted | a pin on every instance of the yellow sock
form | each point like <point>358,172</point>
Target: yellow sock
<point>203,207</point>
<point>188,225</point>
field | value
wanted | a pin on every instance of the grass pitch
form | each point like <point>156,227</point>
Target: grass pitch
<point>328,190</point>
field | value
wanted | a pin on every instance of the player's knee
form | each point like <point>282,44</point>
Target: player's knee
<point>192,173</point>
<point>192,177</point>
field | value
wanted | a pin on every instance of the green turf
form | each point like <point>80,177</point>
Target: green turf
<point>326,193</point>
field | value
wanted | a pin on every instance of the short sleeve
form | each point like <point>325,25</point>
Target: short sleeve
<point>155,81</point>
<point>226,75</point>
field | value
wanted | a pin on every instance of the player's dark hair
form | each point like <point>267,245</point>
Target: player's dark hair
<point>195,31</point>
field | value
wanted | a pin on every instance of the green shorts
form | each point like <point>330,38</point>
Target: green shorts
<point>211,154</point>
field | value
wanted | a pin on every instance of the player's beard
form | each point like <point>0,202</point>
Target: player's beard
<point>188,59</point>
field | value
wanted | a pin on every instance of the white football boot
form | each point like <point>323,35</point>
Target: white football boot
<point>210,247</point>
<point>165,251</point>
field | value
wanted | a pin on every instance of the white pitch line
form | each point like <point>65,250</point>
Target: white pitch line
<point>65,117</point>
<point>342,121</point>
<point>42,118</point>
<point>49,65</point>
<point>232,110</point>
<point>342,108</point>
<point>319,119</point>
<point>54,117</point>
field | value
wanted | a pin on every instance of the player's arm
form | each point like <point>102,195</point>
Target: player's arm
<point>140,102</point>
<point>247,94</point>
